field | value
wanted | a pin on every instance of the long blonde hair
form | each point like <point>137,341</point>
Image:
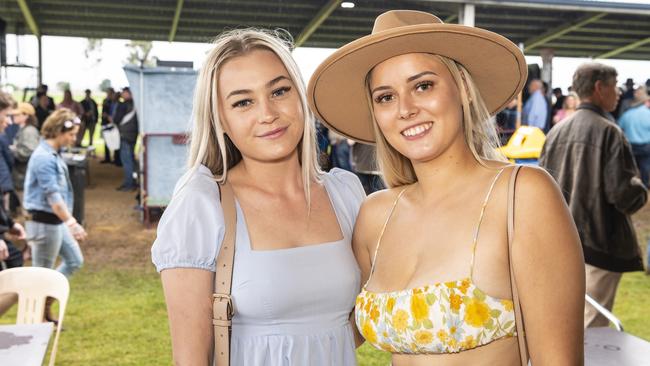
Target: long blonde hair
<point>480,132</point>
<point>208,143</point>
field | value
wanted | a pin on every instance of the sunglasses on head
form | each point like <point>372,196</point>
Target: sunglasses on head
<point>72,122</point>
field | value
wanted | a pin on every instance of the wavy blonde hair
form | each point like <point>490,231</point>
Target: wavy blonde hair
<point>478,128</point>
<point>208,143</point>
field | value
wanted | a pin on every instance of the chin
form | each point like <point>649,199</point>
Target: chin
<point>423,157</point>
<point>278,154</point>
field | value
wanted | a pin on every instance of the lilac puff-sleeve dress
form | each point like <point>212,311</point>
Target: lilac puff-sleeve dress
<point>291,305</point>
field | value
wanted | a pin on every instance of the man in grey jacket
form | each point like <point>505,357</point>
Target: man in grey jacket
<point>592,161</point>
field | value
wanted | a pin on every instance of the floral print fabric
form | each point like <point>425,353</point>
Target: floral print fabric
<point>446,317</point>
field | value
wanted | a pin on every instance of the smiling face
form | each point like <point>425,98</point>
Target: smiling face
<point>260,107</point>
<point>417,106</point>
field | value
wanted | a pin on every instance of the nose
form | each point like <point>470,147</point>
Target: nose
<point>407,109</point>
<point>267,111</point>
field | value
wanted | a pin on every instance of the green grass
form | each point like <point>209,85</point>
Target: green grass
<point>633,303</point>
<point>119,318</point>
<point>114,318</point>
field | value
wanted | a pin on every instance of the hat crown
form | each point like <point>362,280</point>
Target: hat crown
<point>402,18</point>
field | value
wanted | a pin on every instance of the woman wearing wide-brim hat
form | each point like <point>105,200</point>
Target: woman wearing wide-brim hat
<point>26,141</point>
<point>435,248</point>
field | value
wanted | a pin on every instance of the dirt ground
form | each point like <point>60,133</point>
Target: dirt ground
<point>116,234</point>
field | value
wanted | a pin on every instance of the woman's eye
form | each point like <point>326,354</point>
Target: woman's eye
<point>383,98</point>
<point>424,85</point>
<point>281,91</point>
<point>242,103</point>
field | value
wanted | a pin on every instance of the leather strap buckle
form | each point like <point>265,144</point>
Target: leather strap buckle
<point>218,299</point>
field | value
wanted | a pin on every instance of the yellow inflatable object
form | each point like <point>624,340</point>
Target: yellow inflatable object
<point>525,143</point>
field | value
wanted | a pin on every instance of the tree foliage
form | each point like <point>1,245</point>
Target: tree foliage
<point>104,85</point>
<point>63,85</point>
<point>93,50</point>
<point>139,53</point>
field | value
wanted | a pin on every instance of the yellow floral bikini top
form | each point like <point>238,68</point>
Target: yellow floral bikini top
<point>446,317</point>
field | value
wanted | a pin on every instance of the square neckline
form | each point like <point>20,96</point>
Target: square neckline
<point>240,213</point>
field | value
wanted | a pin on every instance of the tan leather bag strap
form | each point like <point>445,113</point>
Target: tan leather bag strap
<point>519,321</point>
<point>222,309</point>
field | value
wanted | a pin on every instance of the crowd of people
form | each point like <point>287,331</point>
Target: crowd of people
<point>32,138</point>
<point>544,111</point>
<point>117,111</point>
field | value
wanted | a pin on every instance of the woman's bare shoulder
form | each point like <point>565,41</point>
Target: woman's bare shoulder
<point>381,201</point>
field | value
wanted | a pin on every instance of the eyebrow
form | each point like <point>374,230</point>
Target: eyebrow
<point>408,80</point>
<point>268,85</point>
<point>417,76</point>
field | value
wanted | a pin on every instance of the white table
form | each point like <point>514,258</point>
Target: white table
<point>607,346</point>
<point>24,344</point>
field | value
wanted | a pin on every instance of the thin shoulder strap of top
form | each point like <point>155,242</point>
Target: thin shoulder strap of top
<point>519,320</point>
<point>480,220</point>
<point>381,235</point>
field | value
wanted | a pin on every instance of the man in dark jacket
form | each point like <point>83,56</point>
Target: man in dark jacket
<point>126,121</point>
<point>106,119</point>
<point>592,161</point>
<point>90,116</point>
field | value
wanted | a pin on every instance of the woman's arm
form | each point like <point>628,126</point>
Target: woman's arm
<point>549,270</point>
<point>188,294</point>
<point>46,176</point>
<point>371,217</point>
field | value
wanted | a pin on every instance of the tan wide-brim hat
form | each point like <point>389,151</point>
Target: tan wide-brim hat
<point>337,92</point>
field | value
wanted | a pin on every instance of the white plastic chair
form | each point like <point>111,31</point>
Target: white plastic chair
<point>606,313</point>
<point>33,285</point>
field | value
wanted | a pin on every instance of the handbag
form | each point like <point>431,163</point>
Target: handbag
<point>111,135</point>
<point>222,309</point>
<point>519,320</point>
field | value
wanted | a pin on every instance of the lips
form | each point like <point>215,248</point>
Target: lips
<point>273,133</point>
<point>417,129</point>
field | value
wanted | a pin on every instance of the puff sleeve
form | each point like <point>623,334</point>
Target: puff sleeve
<point>192,227</point>
<point>350,191</point>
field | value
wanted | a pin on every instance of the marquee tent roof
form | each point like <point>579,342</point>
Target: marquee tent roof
<point>573,28</point>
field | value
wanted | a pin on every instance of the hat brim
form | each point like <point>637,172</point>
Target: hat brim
<point>337,91</point>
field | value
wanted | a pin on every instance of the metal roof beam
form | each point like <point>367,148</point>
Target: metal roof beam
<point>625,48</point>
<point>324,12</point>
<point>177,17</point>
<point>29,19</point>
<point>562,5</point>
<point>450,19</point>
<point>601,30</point>
<point>561,30</point>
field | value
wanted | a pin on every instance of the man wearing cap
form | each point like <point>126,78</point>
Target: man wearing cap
<point>635,123</point>
<point>592,161</point>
